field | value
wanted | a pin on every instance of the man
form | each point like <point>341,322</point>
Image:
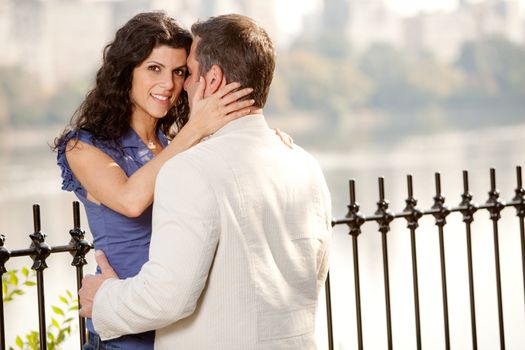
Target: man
<point>241,225</point>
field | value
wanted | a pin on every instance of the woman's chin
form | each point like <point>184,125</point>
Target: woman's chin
<point>160,115</point>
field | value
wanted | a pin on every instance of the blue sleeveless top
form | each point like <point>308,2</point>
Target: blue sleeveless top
<point>124,240</point>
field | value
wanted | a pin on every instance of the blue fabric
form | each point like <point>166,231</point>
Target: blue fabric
<point>125,241</point>
<point>95,343</point>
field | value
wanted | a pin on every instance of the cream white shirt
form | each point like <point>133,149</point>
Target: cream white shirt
<point>239,250</point>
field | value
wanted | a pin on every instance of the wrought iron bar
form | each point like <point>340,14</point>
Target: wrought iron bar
<point>357,284</point>
<point>42,251</point>
<point>495,215</point>
<point>433,212</point>
<point>384,226</point>
<point>327,291</point>
<point>55,249</point>
<point>4,256</point>
<point>82,247</point>
<point>355,221</point>
<point>78,247</point>
<point>412,224</point>
<point>468,218</point>
<point>39,251</point>
<point>519,199</point>
<point>441,213</point>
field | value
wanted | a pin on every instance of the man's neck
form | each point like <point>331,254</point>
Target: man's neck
<point>256,111</point>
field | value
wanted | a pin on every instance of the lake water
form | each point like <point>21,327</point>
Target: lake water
<point>28,175</point>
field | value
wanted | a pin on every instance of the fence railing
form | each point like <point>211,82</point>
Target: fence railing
<point>39,251</point>
<point>412,214</point>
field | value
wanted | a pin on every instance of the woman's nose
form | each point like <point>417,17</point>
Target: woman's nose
<point>167,82</point>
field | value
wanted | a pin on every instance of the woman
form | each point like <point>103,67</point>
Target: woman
<point>116,142</point>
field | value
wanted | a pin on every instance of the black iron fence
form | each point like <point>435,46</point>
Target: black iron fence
<point>412,214</point>
<point>79,247</point>
<point>39,251</point>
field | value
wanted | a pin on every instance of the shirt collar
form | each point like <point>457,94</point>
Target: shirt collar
<point>247,122</point>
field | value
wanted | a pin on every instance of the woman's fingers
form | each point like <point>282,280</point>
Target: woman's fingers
<point>226,89</point>
<point>285,138</point>
<point>232,107</point>
<point>199,91</point>
<point>208,114</point>
<point>234,96</point>
<point>237,114</point>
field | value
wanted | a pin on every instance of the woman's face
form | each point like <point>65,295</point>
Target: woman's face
<point>157,82</point>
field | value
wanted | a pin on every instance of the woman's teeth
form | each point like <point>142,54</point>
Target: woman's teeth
<point>160,97</point>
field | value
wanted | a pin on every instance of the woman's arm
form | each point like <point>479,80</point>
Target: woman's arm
<point>106,183</point>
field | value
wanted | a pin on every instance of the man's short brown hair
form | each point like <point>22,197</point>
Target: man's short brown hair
<point>242,49</point>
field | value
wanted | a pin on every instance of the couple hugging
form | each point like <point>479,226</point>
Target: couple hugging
<point>211,229</point>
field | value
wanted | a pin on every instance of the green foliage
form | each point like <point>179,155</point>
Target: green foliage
<point>23,101</point>
<point>316,83</point>
<point>12,283</point>
<point>386,91</point>
<point>328,44</point>
<point>63,103</point>
<point>59,329</point>
<point>23,96</point>
<point>63,314</point>
<point>407,83</point>
<point>494,67</point>
<point>340,91</point>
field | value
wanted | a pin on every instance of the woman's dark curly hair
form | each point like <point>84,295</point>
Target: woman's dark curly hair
<point>107,108</point>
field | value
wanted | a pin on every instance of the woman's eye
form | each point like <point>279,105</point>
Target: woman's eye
<point>180,72</point>
<point>154,68</point>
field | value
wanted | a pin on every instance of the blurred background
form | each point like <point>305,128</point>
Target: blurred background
<point>370,87</point>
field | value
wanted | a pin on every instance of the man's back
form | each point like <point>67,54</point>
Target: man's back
<point>266,209</point>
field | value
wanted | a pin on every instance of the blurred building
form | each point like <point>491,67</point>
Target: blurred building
<point>372,22</point>
<point>335,16</point>
<point>441,34</point>
<point>262,11</point>
<point>60,41</point>
<point>363,23</point>
<point>6,43</point>
<point>56,40</point>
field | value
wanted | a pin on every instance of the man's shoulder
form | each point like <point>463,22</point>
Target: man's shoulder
<point>193,159</point>
<point>306,156</point>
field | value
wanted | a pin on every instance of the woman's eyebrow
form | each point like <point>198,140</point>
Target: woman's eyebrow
<point>158,63</point>
<point>163,66</point>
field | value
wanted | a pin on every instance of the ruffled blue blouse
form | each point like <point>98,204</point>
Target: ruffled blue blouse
<point>124,240</point>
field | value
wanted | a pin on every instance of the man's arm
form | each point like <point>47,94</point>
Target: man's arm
<point>184,240</point>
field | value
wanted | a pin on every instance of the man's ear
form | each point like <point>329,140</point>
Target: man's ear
<point>214,80</point>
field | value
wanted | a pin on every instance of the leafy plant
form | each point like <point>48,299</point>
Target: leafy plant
<point>11,284</point>
<point>63,315</point>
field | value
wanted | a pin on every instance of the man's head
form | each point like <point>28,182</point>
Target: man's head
<point>231,48</point>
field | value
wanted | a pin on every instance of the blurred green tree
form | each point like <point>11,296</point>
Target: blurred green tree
<point>61,105</point>
<point>494,89</point>
<point>494,67</point>
<point>22,95</point>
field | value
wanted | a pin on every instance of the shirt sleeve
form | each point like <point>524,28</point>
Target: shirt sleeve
<point>69,181</point>
<point>184,240</point>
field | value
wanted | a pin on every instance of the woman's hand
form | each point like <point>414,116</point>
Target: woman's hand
<point>129,196</point>
<point>209,114</point>
<point>285,138</point>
